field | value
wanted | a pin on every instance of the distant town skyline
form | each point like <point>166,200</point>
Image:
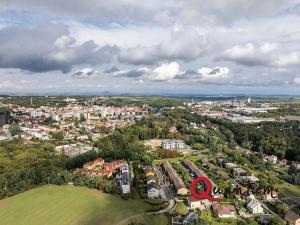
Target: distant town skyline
<point>173,47</point>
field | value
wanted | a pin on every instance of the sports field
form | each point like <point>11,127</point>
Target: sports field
<point>69,205</point>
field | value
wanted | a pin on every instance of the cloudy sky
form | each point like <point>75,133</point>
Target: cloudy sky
<point>150,47</point>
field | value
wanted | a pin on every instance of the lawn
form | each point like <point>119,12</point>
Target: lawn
<point>69,205</point>
<point>181,208</point>
<point>171,160</point>
<point>208,216</point>
<point>289,188</point>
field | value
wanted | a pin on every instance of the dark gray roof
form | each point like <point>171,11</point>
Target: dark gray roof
<point>190,218</point>
<point>152,185</point>
<point>125,178</point>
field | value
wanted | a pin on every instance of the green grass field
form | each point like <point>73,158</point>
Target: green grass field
<point>289,188</point>
<point>69,205</point>
<point>181,208</point>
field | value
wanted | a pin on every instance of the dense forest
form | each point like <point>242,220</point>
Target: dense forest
<point>280,139</point>
<point>23,167</point>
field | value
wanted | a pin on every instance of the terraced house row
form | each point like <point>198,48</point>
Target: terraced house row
<point>178,183</point>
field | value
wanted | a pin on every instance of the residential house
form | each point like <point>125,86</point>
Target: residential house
<point>153,190</point>
<point>251,179</point>
<point>96,163</point>
<point>271,158</point>
<point>255,207</point>
<point>230,165</point>
<point>264,219</point>
<point>192,216</point>
<point>151,179</point>
<point>239,172</point>
<point>201,204</point>
<point>292,218</point>
<point>224,211</point>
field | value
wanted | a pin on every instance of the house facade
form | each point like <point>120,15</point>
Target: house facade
<point>172,144</point>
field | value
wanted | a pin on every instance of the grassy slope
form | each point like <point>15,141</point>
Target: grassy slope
<point>64,205</point>
<point>289,188</point>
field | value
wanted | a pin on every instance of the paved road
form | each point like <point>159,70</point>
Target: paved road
<point>171,206</point>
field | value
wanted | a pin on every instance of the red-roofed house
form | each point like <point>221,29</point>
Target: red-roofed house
<point>224,211</point>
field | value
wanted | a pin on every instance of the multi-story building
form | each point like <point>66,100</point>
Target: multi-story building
<point>124,181</point>
<point>172,144</point>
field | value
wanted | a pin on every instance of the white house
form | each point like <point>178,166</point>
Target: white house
<point>124,182</point>
<point>251,179</point>
<point>172,144</point>
<point>230,165</point>
<point>224,211</point>
<point>271,158</point>
<point>255,207</point>
<point>198,203</point>
<point>153,190</point>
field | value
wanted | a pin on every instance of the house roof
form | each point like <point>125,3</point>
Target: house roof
<point>195,170</point>
<point>230,165</point>
<point>190,217</point>
<point>239,170</point>
<point>265,219</point>
<point>150,178</point>
<point>290,216</point>
<point>251,178</point>
<point>152,185</point>
<point>223,209</point>
<point>253,204</point>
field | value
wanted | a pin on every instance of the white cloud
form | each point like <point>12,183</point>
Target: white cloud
<point>249,54</point>
<point>165,71</point>
<point>7,84</point>
<point>297,81</point>
<point>292,58</point>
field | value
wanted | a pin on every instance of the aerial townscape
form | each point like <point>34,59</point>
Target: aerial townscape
<point>136,158</point>
<point>157,112</point>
